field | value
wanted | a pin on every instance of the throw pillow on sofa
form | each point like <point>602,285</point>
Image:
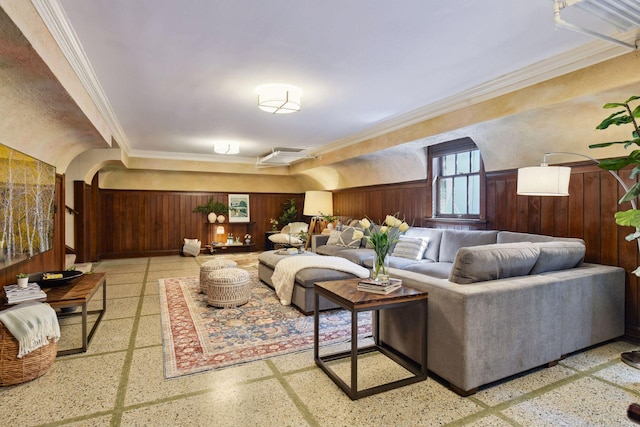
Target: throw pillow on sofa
<point>346,238</point>
<point>491,262</point>
<point>334,237</point>
<point>410,247</point>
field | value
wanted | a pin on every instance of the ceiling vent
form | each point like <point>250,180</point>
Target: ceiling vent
<point>280,156</point>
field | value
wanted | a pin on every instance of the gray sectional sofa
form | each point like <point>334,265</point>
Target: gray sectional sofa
<point>500,303</point>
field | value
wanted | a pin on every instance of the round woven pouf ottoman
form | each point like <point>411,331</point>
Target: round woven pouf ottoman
<point>228,287</point>
<point>213,265</point>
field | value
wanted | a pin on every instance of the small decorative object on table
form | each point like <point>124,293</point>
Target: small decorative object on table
<point>23,280</point>
<point>382,239</point>
<point>16,294</point>
<point>247,239</point>
<point>274,224</point>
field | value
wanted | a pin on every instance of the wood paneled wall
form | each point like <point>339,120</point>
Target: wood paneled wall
<point>52,259</point>
<point>147,223</point>
<point>411,200</point>
<point>588,213</point>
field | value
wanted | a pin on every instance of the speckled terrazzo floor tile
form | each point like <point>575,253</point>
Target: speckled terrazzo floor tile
<point>588,359</point>
<point>295,361</point>
<point>150,305</point>
<point>124,290</point>
<point>121,307</point>
<point>99,421</point>
<point>427,403</point>
<point>121,268</point>
<point>147,382</point>
<point>517,386</point>
<point>72,387</point>
<point>165,274</point>
<point>172,259</point>
<point>149,331</point>
<point>168,266</point>
<point>114,336</point>
<point>373,370</point>
<point>124,261</point>
<point>584,402</point>
<point>257,404</point>
<point>488,421</point>
<point>623,375</point>
<point>122,278</point>
<point>151,287</point>
<point>111,335</point>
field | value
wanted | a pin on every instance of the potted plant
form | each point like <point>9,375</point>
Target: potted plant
<point>23,280</point>
<point>631,217</point>
<point>290,212</point>
<point>213,210</point>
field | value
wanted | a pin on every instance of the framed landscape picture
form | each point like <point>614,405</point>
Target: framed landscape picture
<point>239,208</point>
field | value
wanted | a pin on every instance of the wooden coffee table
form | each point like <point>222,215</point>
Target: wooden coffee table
<point>345,294</point>
<point>77,293</point>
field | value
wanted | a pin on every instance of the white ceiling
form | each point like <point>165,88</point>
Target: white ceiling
<point>180,75</point>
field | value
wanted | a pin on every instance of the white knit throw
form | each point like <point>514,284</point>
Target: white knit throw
<point>32,324</point>
<point>284,274</point>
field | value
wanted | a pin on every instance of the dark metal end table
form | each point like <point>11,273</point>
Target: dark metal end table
<point>345,294</point>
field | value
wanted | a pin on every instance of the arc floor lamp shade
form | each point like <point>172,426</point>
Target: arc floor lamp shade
<point>544,181</point>
<point>318,202</point>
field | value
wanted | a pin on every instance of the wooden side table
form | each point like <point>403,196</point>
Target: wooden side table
<point>345,294</point>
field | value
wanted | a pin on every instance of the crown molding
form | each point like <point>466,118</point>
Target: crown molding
<point>58,24</point>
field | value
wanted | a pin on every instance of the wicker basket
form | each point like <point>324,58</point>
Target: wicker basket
<point>30,366</point>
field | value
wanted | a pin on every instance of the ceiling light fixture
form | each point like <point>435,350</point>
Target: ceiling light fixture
<point>226,147</point>
<point>279,98</point>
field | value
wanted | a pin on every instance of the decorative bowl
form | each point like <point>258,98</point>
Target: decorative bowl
<point>67,275</point>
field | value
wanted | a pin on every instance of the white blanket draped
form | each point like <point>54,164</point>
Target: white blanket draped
<point>32,324</point>
<point>284,274</point>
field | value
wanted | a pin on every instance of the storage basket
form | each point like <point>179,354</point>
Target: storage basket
<point>30,366</point>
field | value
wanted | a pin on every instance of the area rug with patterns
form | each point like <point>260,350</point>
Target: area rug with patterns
<point>197,337</point>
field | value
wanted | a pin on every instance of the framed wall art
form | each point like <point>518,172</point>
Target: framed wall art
<point>239,208</point>
<point>27,206</point>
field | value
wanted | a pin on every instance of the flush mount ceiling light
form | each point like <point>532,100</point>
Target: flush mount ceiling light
<point>226,147</point>
<point>279,98</point>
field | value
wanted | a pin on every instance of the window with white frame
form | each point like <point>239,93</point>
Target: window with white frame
<point>457,179</point>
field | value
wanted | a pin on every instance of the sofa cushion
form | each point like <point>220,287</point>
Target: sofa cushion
<point>558,255</point>
<point>346,238</point>
<point>331,250</point>
<point>334,237</point>
<point>285,239</point>
<point>490,262</point>
<point>359,256</point>
<point>435,237</point>
<point>515,237</point>
<point>452,240</point>
<point>410,247</point>
<point>439,270</point>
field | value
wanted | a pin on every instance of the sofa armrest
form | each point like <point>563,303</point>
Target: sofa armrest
<point>318,240</point>
<point>482,332</point>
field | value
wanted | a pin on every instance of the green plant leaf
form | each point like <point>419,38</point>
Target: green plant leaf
<point>636,111</point>
<point>631,194</point>
<point>629,218</point>
<point>615,164</point>
<point>613,105</point>
<point>633,98</point>
<point>615,120</point>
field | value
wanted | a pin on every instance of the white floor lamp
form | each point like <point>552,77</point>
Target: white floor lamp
<point>316,204</point>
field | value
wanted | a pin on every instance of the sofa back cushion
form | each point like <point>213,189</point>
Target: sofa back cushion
<point>515,237</point>
<point>558,255</point>
<point>494,261</point>
<point>410,247</point>
<point>452,240</point>
<point>435,237</point>
<point>346,238</point>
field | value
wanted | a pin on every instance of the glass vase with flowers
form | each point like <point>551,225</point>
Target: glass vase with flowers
<point>382,239</point>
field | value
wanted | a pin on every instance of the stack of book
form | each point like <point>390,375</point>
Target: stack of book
<point>370,285</point>
<point>16,294</point>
